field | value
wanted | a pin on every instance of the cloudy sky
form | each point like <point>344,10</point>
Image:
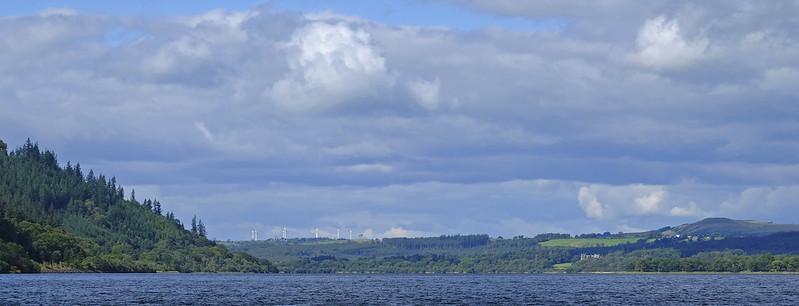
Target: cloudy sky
<point>427,117</point>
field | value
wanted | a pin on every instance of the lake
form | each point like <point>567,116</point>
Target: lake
<point>235,289</point>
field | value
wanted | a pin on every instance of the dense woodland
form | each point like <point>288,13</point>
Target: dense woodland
<point>443,242</point>
<point>444,254</point>
<point>457,245</point>
<point>669,260</point>
<point>58,218</point>
<point>481,254</point>
<point>534,260</point>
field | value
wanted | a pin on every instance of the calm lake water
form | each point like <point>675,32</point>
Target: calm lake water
<point>236,289</point>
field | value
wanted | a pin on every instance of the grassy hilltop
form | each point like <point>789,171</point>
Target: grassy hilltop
<point>723,227</point>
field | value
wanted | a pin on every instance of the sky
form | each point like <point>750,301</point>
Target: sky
<point>417,117</point>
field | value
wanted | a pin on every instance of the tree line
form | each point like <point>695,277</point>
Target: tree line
<point>531,261</point>
<point>668,260</point>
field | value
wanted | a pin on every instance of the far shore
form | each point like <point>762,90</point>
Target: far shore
<point>75,271</point>
<point>689,273</point>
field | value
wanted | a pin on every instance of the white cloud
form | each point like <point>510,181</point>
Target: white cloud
<point>692,210</point>
<point>204,131</point>
<point>618,201</point>
<point>782,80</point>
<point>589,203</point>
<point>661,45</point>
<point>762,202</point>
<point>331,63</point>
<point>221,27</point>
<point>330,16</point>
<point>396,232</point>
<point>176,53</point>
<point>222,18</point>
<point>426,93</point>
<point>650,202</point>
<point>56,37</point>
<point>207,37</point>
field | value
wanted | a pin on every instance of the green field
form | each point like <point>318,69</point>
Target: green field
<point>588,242</point>
<point>562,266</point>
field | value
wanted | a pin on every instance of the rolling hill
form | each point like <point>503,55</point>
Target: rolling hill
<point>725,227</point>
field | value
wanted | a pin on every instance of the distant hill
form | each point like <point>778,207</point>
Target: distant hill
<point>58,218</point>
<point>729,228</point>
<point>710,245</point>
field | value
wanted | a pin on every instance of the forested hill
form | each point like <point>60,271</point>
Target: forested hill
<point>55,218</point>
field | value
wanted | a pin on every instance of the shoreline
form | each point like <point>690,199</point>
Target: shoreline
<point>425,273</point>
<point>690,273</point>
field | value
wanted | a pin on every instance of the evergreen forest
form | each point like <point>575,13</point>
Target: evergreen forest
<point>61,218</point>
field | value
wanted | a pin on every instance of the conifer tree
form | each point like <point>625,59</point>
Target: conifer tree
<point>157,207</point>
<point>194,224</point>
<point>201,228</point>
<point>78,171</point>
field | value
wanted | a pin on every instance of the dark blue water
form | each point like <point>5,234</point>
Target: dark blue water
<point>237,289</point>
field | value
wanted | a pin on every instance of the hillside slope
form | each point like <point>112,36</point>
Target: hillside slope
<point>730,228</point>
<point>55,218</point>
